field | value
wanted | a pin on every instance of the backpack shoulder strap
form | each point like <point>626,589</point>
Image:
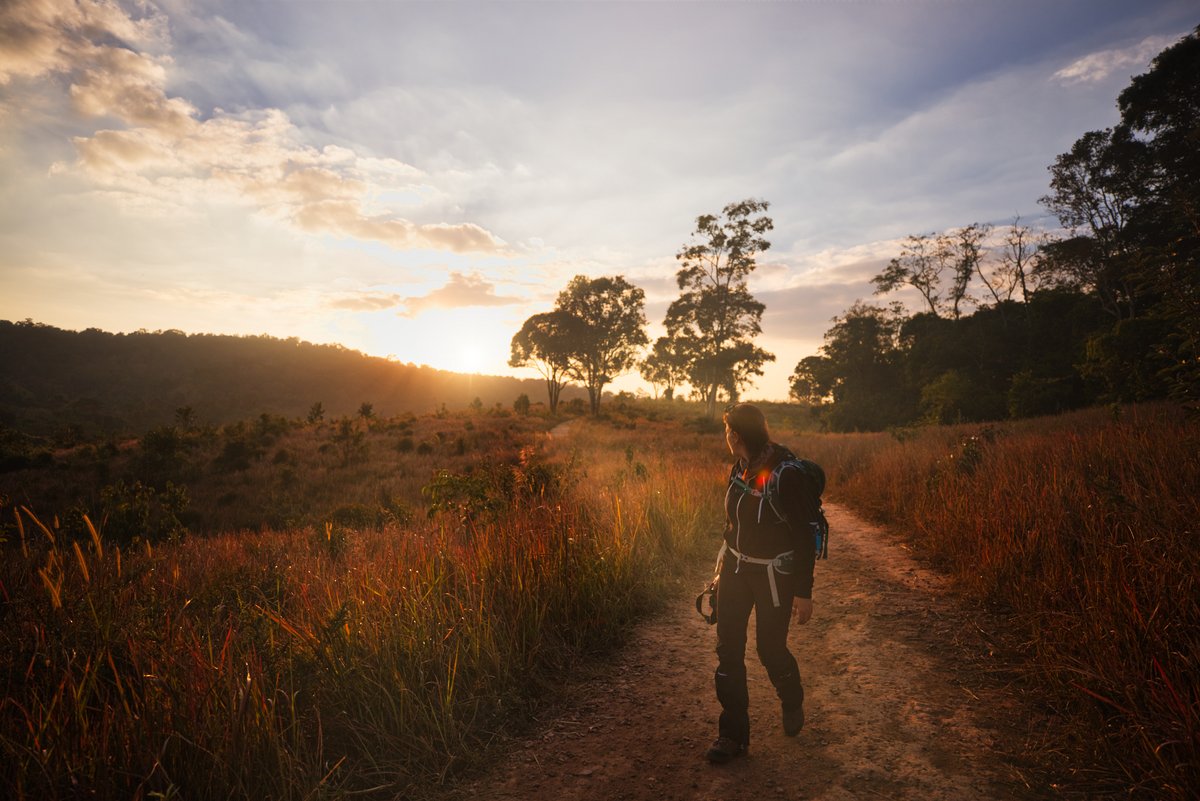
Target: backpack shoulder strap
<point>816,474</point>
<point>772,488</point>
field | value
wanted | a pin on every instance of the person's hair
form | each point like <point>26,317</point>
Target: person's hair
<point>748,421</point>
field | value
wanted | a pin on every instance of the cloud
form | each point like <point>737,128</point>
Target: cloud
<point>345,217</point>
<point>1095,67</point>
<point>461,290</point>
<point>167,153</point>
<point>44,36</point>
<point>368,301</point>
<point>117,89</point>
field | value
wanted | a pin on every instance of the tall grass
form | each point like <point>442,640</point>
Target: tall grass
<point>1086,526</point>
<point>327,662</point>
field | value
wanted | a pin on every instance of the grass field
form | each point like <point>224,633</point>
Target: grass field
<point>366,657</point>
<point>1085,526</point>
<point>358,608</point>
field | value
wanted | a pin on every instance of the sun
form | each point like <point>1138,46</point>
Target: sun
<point>470,358</point>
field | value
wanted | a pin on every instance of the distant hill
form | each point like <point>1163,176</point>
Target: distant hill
<point>56,382</point>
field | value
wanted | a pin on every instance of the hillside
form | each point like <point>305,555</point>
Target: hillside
<point>86,383</point>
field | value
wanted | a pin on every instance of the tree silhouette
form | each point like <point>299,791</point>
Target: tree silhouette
<point>544,343</point>
<point>610,331</point>
<point>715,319</point>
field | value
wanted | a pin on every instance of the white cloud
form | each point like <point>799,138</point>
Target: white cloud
<point>167,153</point>
<point>1095,67</point>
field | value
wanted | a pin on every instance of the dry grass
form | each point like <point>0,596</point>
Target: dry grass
<point>331,661</point>
<point>1085,526</point>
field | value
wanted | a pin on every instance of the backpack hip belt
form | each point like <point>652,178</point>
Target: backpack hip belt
<point>772,565</point>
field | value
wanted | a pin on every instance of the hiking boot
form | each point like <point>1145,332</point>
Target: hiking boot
<point>793,720</point>
<point>723,750</point>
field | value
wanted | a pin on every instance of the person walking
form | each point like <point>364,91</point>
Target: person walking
<point>772,504</point>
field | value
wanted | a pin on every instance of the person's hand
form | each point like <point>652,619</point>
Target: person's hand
<point>802,609</point>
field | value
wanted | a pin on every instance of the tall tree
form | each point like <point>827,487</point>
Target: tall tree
<point>1093,190</point>
<point>544,343</point>
<point>926,258</point>
<point>610,331</point>
<point>715,318</point>
<point>1163,107</point>
<point>1019,257</point>
<point>970,252</point>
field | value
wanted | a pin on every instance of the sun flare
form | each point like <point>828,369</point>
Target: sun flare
<point>470,359</point>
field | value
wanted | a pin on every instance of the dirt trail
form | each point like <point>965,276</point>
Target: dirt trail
<point>900,703</point>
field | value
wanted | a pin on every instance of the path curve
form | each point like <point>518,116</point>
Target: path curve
<point>898,705</point>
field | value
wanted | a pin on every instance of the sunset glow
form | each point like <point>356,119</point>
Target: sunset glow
<point>385,176</point>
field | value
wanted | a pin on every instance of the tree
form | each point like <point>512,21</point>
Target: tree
<point>925,258</point>
<point>1019,258</point>
<point>666,366</point>
<point>185,418</point>
<point>1163,106</point>
<point>860,368</point>
<point>969,249</point>
<point>919,265</point>
<point>610,330</point>
<point>812,381</point>
<point>1094,189</point>
<point>544,342</point>
<point>715,319</point>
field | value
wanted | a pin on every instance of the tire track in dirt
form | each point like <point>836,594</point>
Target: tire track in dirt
<point>893,709</point>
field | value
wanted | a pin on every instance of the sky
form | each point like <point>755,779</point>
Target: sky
<point>415,179</point>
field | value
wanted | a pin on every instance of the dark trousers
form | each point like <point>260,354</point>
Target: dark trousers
<point>737,593</point>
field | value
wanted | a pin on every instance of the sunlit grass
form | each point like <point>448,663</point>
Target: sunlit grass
<point>324,661</point>
<point>1086,527</point>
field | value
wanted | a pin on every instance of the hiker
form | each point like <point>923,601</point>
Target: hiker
<point>766,563</point>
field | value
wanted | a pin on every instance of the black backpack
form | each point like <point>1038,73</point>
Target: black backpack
<point>820,526</point>
<point>816,477</point>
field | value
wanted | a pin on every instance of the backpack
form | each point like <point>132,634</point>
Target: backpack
<point>820,526</point>
<point>816,476</point>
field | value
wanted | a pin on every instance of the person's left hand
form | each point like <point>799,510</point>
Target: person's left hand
<point>802,609</point>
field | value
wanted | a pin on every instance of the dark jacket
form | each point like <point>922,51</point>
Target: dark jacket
<point>754,529</point>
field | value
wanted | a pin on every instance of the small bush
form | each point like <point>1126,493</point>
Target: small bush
<point>138,511</point>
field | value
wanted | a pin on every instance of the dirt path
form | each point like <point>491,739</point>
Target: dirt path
<point>900,703</point>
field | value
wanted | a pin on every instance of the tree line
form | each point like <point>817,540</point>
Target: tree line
<point>1105,310</point>
<point>1012,322</point>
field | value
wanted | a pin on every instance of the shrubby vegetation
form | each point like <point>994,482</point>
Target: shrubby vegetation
<point>1083,526</point>
<point>370,637</point>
